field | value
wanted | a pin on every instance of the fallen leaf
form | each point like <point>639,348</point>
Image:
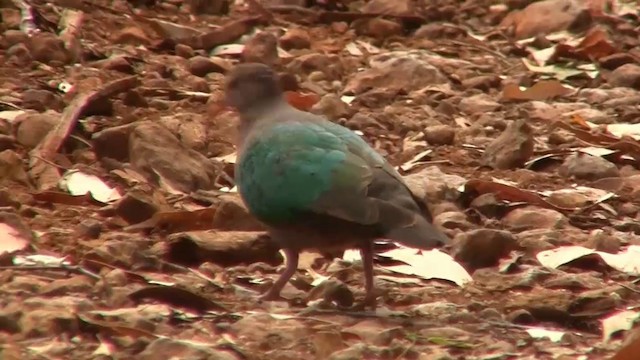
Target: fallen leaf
<point>79,183</point>
<point>542,333</point>
<point>10,240</point>
<point>542,90</point>
<point>622,320</point>
<point>177,297</point>
<point>627,261</point>
<point>432,264</point>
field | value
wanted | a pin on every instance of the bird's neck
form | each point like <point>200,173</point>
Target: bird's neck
<point>259,113</point>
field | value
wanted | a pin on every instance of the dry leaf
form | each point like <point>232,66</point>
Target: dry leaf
<point>543,90</point>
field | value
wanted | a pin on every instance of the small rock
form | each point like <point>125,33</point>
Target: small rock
<point>89,229</point>
<point>377,27</point>
<point>19,54</point>
<point>44,322</point>
<point>12,37</point>
<point>295,38</point>
<point>395,8</point>
<point>332,107</point>
<point>41,100</point>
<point>7,142</point>
<point>156,153</point>
<point>482,82</point>
<point>520,316</point>
<point>512,148</point>
<point>483,247</point>
<point>532,217</point>
<point>132,35</point>
<point>184,51</point>
<point>48,48</point>
<point>489,205</point>
<point>372,332</point>
<point>330,65</point>
<point>568,199</point>
<point>440,135</point>
<point>454,220</point>
<point>113,142</point>
<point>117,63</point>
<point>588,167</point>
<point>395,71</point>
<point>11,167</point>
<point>76,284</point>
<point>614,61</point>
<point>177,349</point>
<point>261,48</point>
<point>218,7</point>
<point>201,66</point>
<point>627,75</point>
<point>601,241</point>
<point>476,104</point>
<point>136,207</point>
<point>269,333</point>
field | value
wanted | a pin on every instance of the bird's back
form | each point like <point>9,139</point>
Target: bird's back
<point>299,168</point>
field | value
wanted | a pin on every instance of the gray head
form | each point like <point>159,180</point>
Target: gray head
<point>251,86</point>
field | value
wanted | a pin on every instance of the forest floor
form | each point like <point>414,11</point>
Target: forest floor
<point>122,237</point>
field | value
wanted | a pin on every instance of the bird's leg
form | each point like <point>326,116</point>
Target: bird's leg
<point>290,269</point>
<point>366,252</point>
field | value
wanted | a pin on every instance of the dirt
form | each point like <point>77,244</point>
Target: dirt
<point>171,266</point>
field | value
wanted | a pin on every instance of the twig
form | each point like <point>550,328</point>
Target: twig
<point>68,268</point>
<point>27,21</point>
<point>501,57</point>
<point>49,146</point>
<point>51,163</point>
<point>71,21</point>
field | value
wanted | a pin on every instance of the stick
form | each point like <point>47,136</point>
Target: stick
<point>47,176</point>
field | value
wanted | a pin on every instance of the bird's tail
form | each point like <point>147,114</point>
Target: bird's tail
<point>421,235</point>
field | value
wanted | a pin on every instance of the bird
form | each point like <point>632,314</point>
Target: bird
<point>315,184</point>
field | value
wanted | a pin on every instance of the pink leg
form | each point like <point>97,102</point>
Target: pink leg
<point>366,252</point>
<point>292,266</point>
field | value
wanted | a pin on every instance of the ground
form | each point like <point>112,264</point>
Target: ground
<point>121,235</point>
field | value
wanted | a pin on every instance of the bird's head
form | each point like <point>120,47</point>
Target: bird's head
<point>251,86</point>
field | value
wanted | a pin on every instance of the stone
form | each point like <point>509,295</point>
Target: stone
<point>332,107</point>
<point>532,217</point>
<point>262,48</point>
<point>48,48</point>
<point>13,37</point>
<point>627,75</point>
<point>47,321</point>
<point>477,104</point>
<point>330,65</point>
<point>113,142</point>
<point>136,207</point>
<point>184,51</point>
<point>177,349</point>
<point>483,247</point>
<point>132,35</point>
<point>11,168</point>
<point>440,135</point>
<point>386,7</point>
<point>512,148</point>
<point>156,153</point>
<point>588,167</point>
<point>295,38</point>
<point>395,71</point>
<point>78,284</point>
<point>42,100</point>
<point>377,27</point>
<point>482,82</point>
<point>201,66</point>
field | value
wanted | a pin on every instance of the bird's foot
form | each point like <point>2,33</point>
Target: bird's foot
<point>271,296</point>
<point>368,302</point>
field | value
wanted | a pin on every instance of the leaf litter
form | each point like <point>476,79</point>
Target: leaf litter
<point>147,253</point>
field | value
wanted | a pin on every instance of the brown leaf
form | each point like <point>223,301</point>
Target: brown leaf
<point>510,193</point>
<point>300,101</point>
<point>542,90</point>
<point>176,297</point>
<point>114,329</point>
